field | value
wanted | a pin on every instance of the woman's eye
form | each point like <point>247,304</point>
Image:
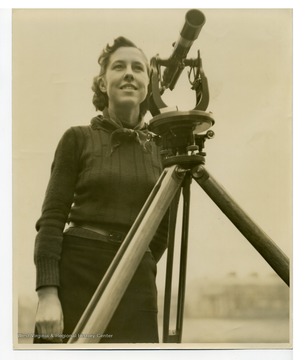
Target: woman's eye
<point>118,67</point>
<point>139,68</point>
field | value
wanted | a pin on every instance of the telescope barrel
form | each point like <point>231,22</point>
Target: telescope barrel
<point>194,20</point>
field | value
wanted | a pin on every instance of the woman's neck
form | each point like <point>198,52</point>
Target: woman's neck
<point>127,118</point>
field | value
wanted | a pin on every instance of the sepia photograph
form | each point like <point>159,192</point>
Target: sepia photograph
<point>152,178</point>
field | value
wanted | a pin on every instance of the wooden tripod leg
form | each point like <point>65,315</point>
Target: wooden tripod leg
<point>113,286</point>
<point>169,268</point>
<point>183,255</point>
<point>176,336</point>
<point>259,240</point>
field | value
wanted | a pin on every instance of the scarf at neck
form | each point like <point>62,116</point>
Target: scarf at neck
<point>120,134</point>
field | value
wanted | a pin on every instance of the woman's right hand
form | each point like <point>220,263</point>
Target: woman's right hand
<point>49,316</point>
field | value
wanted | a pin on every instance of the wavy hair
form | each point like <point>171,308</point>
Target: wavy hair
<point>100,99</point>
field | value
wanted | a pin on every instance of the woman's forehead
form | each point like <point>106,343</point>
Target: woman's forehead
<point>128,54</point>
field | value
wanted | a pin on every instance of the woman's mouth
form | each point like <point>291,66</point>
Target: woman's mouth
<point>128,87</point>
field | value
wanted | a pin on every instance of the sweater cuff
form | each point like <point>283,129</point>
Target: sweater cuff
<point>47,272</point>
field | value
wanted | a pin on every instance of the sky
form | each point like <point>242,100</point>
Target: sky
<point>247,59</point>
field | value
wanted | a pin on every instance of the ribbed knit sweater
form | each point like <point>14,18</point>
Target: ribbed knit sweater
<point>96,184</point>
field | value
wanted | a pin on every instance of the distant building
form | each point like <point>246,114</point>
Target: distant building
<point>233,297</point>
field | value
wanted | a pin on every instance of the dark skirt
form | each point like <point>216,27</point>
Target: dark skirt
<point>83,264</point>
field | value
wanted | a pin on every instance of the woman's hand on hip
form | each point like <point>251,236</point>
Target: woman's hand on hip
<point>49,316</point>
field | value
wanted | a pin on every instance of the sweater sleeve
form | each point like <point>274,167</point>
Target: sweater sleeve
<point>55,210</point>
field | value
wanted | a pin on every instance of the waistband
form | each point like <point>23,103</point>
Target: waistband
<point>100,233</point>
<point>112,235</point>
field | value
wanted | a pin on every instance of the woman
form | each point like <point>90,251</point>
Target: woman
<point>101,176</point>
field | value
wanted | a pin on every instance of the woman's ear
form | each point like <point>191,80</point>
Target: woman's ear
<point>102,88</point>
<point>102,85</point>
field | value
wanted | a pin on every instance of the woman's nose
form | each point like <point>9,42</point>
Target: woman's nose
<point>128,76</point>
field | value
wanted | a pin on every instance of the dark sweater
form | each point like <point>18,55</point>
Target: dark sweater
<point>95,183</point>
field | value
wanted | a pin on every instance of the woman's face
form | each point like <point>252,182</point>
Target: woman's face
<point>126,78</point>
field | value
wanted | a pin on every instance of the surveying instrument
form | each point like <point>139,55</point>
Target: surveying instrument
<point>181,136</point>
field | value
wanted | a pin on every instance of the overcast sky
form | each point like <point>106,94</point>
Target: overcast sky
<point>247,57</point>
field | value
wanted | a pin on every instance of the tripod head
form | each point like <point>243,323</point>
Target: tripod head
<point>179,131</point>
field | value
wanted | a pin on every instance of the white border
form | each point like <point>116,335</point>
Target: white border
<point>6,180</point>
<point>5,188</point>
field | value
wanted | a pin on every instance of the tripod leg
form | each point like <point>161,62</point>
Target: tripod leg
<point>260,241</point>
<point>169,267</point>
<point>183,255</point>
<point>177,336</point>
<point>112,287</point>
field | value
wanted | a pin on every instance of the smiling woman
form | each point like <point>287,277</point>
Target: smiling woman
<point>247,60</point>
<point>101,176</point>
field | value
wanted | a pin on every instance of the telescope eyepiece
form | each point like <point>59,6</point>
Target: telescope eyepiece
<point>194,21</point>
<point>195,17</point>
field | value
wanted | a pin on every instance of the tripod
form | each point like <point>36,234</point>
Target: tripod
<point>180,136</point>
<point>181,165</point>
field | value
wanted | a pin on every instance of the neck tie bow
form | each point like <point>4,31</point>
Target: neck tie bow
<point>120,134</point>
